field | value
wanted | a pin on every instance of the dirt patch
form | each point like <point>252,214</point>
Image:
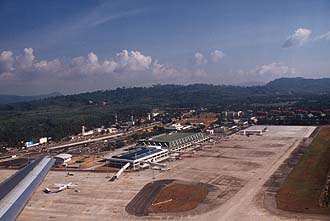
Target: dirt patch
<point>206,118</point>
<point>301,190</point>
<point>140,204</point>
<point>14,163</point>
<point>171,197</point>
<point>229,181</point>
<point>260,153</point>
<point>179,197</point>
<point>232,147</point>
<point>86,162</point>
<point>252,153</point>
<point>246,166</point>
<point>20,162</point>
<point>277,145</point>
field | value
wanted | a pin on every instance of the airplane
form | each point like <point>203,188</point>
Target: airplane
<point>155,168</point>
<point>164,169</point>
<point>161,169</point>
<point>60,186</point>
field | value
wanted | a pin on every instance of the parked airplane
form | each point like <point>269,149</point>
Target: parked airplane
<point>162,169</point>
<point>60,186</point>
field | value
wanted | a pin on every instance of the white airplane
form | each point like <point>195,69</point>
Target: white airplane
<point>164,169</point>
<point>60,186</point>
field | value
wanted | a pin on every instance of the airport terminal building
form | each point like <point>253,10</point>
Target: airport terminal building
<point>156,149</point>
<point>175,141</point>
<point>140,157</point>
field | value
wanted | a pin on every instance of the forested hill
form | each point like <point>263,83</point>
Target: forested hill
<point>196,94</point>
<point>7,99</point>
<point>299,86</point>
<point>63,115</point>
<point>158,95</point>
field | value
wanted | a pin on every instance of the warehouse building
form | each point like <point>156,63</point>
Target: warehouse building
<point>140,157</point>
<point>175,141</point>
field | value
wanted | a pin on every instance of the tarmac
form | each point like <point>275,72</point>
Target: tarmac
<point>237,167</point>
<point>17,190</point>
<point>6,173</point>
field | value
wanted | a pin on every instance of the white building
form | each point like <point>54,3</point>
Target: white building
<point>86,133</point>
<point>178,127</point>
<point>251,132</point>
<point>112,130</point>
<point>175,141</point>
<point>62,158</point>
<point>210,131</point>
<point>140,157</point>
<point>43,140</point>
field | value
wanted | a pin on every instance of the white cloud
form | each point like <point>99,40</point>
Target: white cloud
<point>92,58</point>
<point>133,61</point>
<point>298,38</point>
<point>48,66</point>
<point>124,66</point>
<point>325,36</point>
<point>6,62</point>
<point>199,59</point>
<point>216,56</point>
<point>162,71</point>
<point>275,69</point>
<point>125,63</point>
<point>26,60</point>
<point>267,72</point>
<point>90,66</point>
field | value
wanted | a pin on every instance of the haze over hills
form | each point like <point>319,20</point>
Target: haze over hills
<point>7,99</point>
<point>164,93</point>
<point>197,94</point>
<point>300,86</point>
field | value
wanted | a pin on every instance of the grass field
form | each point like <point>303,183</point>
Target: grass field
<point>301,190</point>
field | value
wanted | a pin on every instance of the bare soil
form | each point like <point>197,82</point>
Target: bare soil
<point>140,204</point>
<point>179,197</point>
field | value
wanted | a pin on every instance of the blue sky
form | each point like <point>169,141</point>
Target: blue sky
<point>83,45</point>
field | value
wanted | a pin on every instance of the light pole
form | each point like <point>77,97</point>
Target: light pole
<point>107,169</point>
<point>66,169</point>
<point>153,174</point>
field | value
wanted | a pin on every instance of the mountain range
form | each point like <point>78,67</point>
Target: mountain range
<point>197,94</point>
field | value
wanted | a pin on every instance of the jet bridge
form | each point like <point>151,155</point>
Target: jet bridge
<point>117,175</point>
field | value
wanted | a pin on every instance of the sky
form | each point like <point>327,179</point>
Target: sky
<point>73,46</point>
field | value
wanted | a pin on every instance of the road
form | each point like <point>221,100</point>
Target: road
<point>244,204</point>
<point>236,207</point>
<point>104,137</point>
<point>86,141</point>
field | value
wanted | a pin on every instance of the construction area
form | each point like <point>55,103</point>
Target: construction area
<point>227,175</point>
